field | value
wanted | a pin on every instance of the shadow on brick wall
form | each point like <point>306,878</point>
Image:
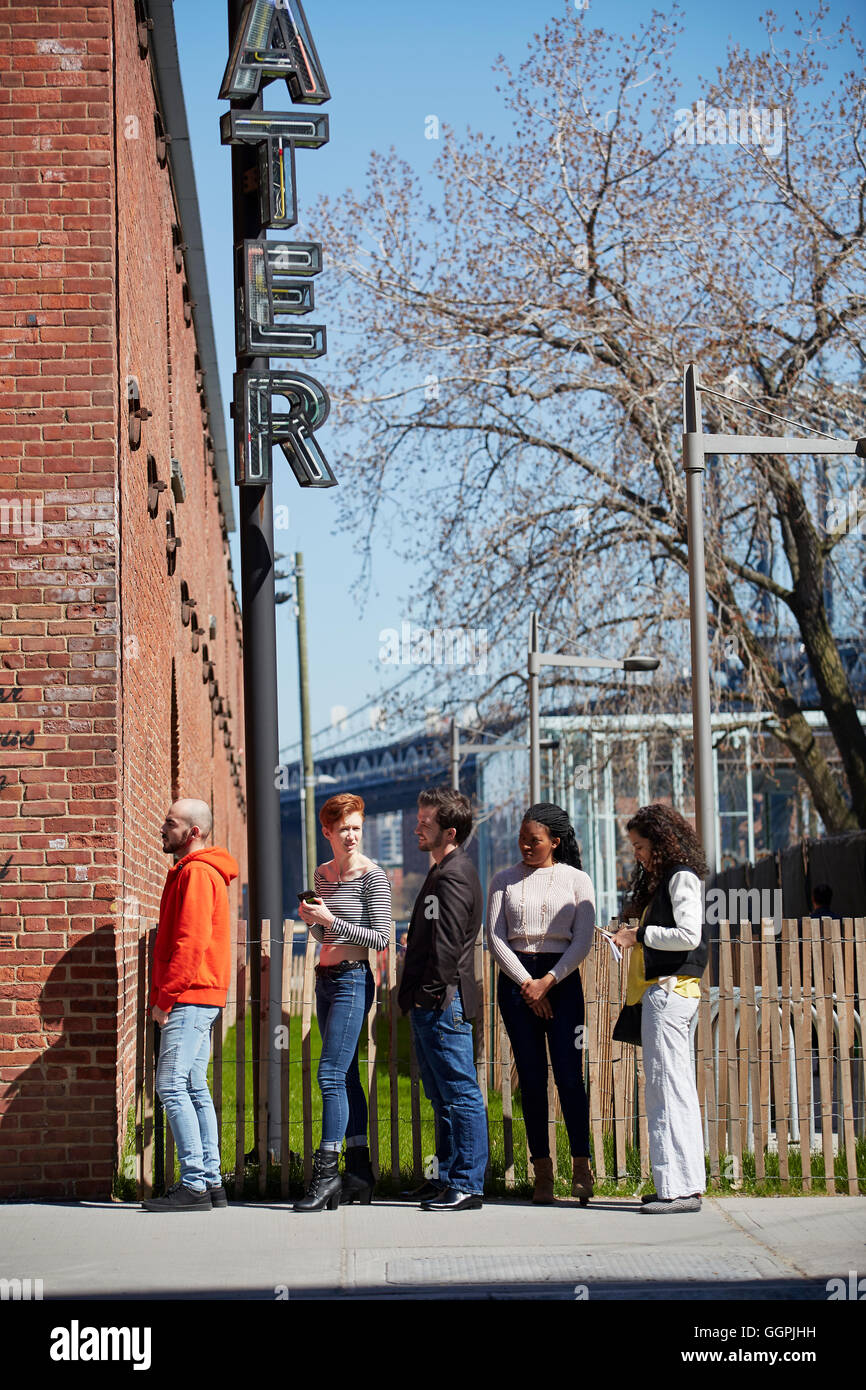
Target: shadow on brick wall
<point>58,1132</point>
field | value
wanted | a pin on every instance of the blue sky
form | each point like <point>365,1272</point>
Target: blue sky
<point>389,64</point>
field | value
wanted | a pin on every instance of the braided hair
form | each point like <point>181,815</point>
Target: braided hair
<point>559,827</point>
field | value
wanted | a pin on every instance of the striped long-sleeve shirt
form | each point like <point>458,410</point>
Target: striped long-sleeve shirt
<point>361,908</point>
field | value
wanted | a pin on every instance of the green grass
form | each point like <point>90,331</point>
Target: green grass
<point>124,1186</point>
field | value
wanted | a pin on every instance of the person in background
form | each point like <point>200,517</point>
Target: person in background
<point>350,916</point>
<point>439,994</point>
<point>540,921</point>
<point>822,897</point>
<point>191,971</point>
<point>669,952</point>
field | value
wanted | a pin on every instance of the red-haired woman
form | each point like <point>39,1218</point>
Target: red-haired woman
<point>351,915</point>
<point>669,955</point>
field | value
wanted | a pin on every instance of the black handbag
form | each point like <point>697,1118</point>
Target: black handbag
<point>627,1027</point>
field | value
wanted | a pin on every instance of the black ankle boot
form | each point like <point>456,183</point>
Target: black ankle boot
<point>326,1185</point>
<point>358,1179</point>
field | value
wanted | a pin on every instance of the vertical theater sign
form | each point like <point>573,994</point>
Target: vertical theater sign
<point>274,279</point>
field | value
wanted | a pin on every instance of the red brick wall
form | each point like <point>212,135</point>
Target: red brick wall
<point>91,619</point>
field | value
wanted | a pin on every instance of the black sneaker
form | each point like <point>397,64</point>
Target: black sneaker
<point>179,1198</point>
<point>218,1196</point>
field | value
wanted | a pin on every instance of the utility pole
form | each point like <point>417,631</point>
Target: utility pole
<point>308,778</point>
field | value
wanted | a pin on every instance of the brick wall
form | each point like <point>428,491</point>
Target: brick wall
<point>91,617</point>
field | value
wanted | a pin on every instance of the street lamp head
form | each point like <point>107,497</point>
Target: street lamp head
<point>640,663</point>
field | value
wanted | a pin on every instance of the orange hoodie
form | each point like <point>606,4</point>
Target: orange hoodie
<point>192,957</point>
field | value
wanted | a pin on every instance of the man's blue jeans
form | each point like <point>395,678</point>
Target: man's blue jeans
<point>342,1004</point>
<point>181,1084</point>
<point>443,1046</point>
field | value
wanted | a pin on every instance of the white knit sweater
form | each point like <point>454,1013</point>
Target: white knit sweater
<point>540,911</point>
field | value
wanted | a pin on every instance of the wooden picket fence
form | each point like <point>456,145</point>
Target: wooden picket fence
<point>778,1056</point>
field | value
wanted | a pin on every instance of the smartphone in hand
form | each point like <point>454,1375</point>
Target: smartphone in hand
<point>308,896</point>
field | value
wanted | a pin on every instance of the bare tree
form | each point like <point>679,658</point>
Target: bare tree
<point>517,353</point>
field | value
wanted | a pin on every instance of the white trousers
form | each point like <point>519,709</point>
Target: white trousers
<point>676,1133</point>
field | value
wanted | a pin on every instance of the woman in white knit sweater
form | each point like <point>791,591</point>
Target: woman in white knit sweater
<point>540,921</point>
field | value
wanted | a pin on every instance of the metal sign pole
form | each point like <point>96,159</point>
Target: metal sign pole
<point>258,613</point>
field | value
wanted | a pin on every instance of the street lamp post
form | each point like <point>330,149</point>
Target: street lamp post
<point>535,661</point>
<point>695,463</point>
<point>696,446</point>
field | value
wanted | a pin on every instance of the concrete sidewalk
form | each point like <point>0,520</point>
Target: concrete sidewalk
<point>758,1248</point>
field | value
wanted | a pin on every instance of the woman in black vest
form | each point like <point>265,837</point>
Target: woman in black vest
<point>664,977</point>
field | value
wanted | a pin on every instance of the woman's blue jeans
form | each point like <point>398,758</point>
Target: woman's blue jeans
<point>530,1038</point>
<point>342,1004</point>
<point>181,1084</point>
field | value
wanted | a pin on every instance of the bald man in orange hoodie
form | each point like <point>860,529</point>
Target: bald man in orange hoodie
<point>191,969</point>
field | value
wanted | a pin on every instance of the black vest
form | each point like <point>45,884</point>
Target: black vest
<point>661,914</point>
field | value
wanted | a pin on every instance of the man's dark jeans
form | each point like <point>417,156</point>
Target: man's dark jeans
<point>443,1046</point>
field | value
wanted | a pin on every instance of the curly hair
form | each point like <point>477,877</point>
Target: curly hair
<point>673,841</point>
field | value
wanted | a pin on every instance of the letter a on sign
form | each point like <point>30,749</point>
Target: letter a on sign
<point>273,40</point>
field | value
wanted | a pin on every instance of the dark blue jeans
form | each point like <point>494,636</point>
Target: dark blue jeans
<point>530,1038</point>
<point>443,1046</point>
<point>342,1004</point>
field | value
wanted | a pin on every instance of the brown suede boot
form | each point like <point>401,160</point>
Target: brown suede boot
<point>582,1180</point>
<point>543,1169</point>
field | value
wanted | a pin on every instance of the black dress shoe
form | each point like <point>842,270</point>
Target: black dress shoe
<point>427,1192</point>
<point>452,1200</point>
